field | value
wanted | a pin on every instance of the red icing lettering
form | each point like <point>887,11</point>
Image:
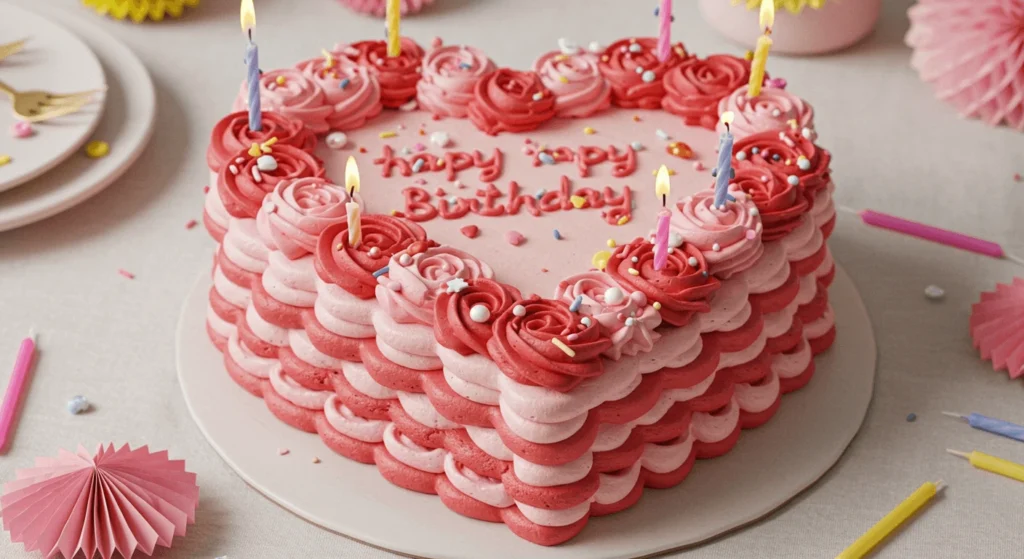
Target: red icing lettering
<point>516,200</point>
<point>462,207</point>
<point>490,209</point>
<point>417,204</point>
<point>490,168</point>
<point>558,200</point>
<point>623,205</point>
<point>588,157</point>
<point>625,164</point>
<point>388,160</point>
<point>594,198</point>
<point>456,161</point>
<point>429,162</point>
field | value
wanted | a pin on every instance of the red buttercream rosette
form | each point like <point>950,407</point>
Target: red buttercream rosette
<point>694,88</point>
<point>782,151</point>
<point>454,326</point>
<point>633,89</point>
<point>397,75</point>
<point>352,268</point>
<point>511,101</point>
<point>780,203</point>
<point>243,195</point>
<point>680,287</point>
<point>232,135</point>
<point>522,345</point>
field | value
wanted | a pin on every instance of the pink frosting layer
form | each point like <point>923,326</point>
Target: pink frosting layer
<point>576,80</point>
<point>297,96</point>
<point>773,109</point>
<point>729,237</point>
<point>450,74</point>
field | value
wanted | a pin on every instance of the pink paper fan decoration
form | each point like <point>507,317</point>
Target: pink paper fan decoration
<point>970,51</point>
<point>378,7</point>
<point>997,326</point>
<point>124,500</point>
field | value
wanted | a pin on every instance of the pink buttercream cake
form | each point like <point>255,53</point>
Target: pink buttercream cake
<point>500,336</point>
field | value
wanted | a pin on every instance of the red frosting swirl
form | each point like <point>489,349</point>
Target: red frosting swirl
<point>790,146</point>
<point>352,268</point>
<point>232,135</point>
<point>780,203</point>
<point>243,195</point>
<point>695,87</point>
<point>680,288</point>
<point>522,346</point>
<point>629,87</point>
<point>510,101</point>
<point>453,326</point>
<point>397,75</point>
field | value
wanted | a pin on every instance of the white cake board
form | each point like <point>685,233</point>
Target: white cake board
<point>768,467</point>
<point>126,124</point>
<point>56,60</point>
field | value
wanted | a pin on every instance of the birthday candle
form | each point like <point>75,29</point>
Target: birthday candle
<point>393,16</point>
<point>665,34</point>
<point>15,386</point>
<point>764,44</point>
<point>891,521</point>
<point>991,463</point>
<point>252,62</point>
<point>723,172</point>
<point>662,187</point>
<point>992,425</point>
<point>355,225</point>
<point>934,234</point>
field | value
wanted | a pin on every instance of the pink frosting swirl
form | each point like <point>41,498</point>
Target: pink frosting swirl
<point>450,74</point>
<point>623,315</point>
<point>576,80</point>
<point>735,230</point>
<point>696,86</point>
<point>351,90</point>
<point>409,291</point>
<point>296,212</point>
<point>772,110</point>
<point>298,97</point>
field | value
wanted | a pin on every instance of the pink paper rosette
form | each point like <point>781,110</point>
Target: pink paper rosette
<point>997,327</point>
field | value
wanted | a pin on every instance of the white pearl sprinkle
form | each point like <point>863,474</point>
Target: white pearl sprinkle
<point>675,240</point>
<point>934,292</point>
<point>337,140</point>
<point>586,321</point>
<point>693,261</point>
<point>519,310</point>
<point>266,163</point>
<point>636,47</point>
<point>742,156</point>
<point>793,180</point>
<point>614,296</point>
<point>405,260</point>
<point>639,69</point>
<point>754,211</point>
<point>804,164</point>
<point>649,76</point>
<point>635,259</point>
<point>637,146</point>
<point>716,247</point>
<point>479,313</point>
<point>374,252</point>
<point>776,113</point>
<point>630,321</point>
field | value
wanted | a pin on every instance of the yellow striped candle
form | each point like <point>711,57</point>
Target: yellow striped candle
<point>394,19</point>
<point>764,45</point>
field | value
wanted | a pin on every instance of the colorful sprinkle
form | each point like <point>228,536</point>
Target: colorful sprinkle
<point>623,220</point>
<point>546,158</point>
<point>911,417</point>
<point>934,292</point>
<point>637,146</point>
<point>78,405</point>
<point>540,194</point>
<point>344,83</point>
<point>588,131</point>
<point>572,337</point>
<point>190,224</point>
<point>636,118</point>
<point>657,306</point>
<point>558,235</point>
<point>662,134</point>
<point>680,150</point>
<point>1016,177</point>
<point>634,272</point>
<point>577,201</point>
<point>280,80</point>
<point>126,274</point>
<point>698,166</point>
<point>575,306</point>
<point>97,149</point>
<point>316,460</point>
<point>565,349</point>
<point>22,129</point>
<point>611,243</point>
<point>563,79</point>
<point>417,166</point>
<point>283,452</point>
<point>382,271</point>
<point>748,56</point>
<point>515,238</point>
<point>206,189</point>
<point>538,96</point>
<point>419,146</point>
<point>600,259</point>
<point>386,135</point>
<point>4,160</point>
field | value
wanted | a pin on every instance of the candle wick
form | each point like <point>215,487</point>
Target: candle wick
<point>727,129</point>
<point>664,200</point>
<point>940,485</point>
<point>959,453</point>
<point>956,415</point>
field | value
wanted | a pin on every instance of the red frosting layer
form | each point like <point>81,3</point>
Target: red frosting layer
<point>681,288</point>
<point>629,88</point>
<point>780,203</point>
<point>397,75</point>
<point>511,101</point>
<point>789,146</point>
<point>522,345</point>
<point>695,87</point>
<point>453,326</point>
<point>243,195</point>
<point>232,135</point>
<point>352,268</point>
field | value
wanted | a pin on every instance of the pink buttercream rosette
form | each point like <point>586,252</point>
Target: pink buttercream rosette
<point>409,290</point>
<point>450,74</point>
<point>379,7</point>
<point>623,315</point>
<point>729,237</point>
<point>997,327</point>
<point>576,80</point>
<point>351,90</point>
<point>970,52</point>
<point>296,96</point>
<point>111,501</point>
<point>296,212</point>
<point>774,109</point>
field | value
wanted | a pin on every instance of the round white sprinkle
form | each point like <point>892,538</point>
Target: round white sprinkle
<point>479,313</point>
<point>776,113</point>
<point>793,180</point>
<point>374,252</point>
<point>804,164</point>
<point>594,46</point>
<point>405,260</point>
<point>693,261</point>
<point>614,296</point>
<point>637,146</point>
<point>807,133</point>
<point>567,46</point>
<point>934,292</point>
<point>636,47</point>
<point>716,247</point>
<point>635,259</point>
<point>586,321</point>
<point>742,156</point>
<point>649,76</point>
<point>78,404</point>
<point>519,310</point>
<point>630,321</point>
<point>639,69</point>
<point>266,163</point>
<point>675,240</point>
<point>754,211</point>
<point>440,139</point>
<point>755,151</point>
<point>337,140</point>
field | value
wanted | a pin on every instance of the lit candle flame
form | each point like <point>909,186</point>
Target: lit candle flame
<point>662,184</point>
<point>767,16</point>
<point>351,175</point>
<point>727,117</point>
<point>248,16</point>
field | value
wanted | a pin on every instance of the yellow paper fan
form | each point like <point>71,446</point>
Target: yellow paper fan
<point>140,10</point>
<point>792,6</point>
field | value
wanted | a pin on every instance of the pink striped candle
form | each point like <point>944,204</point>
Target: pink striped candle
<point>665,33</point>
<point>15,386</point>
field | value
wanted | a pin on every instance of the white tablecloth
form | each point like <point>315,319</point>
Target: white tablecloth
<point>896,149</point>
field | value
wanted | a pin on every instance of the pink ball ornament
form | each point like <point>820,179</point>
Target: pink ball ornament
<point>969,51</point>
<point>379,7</point>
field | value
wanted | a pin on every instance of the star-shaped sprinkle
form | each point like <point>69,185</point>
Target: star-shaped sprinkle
<point>456,285</point>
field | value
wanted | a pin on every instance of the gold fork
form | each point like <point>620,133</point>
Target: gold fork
<point>37,106</point>
<point>11,48</point>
